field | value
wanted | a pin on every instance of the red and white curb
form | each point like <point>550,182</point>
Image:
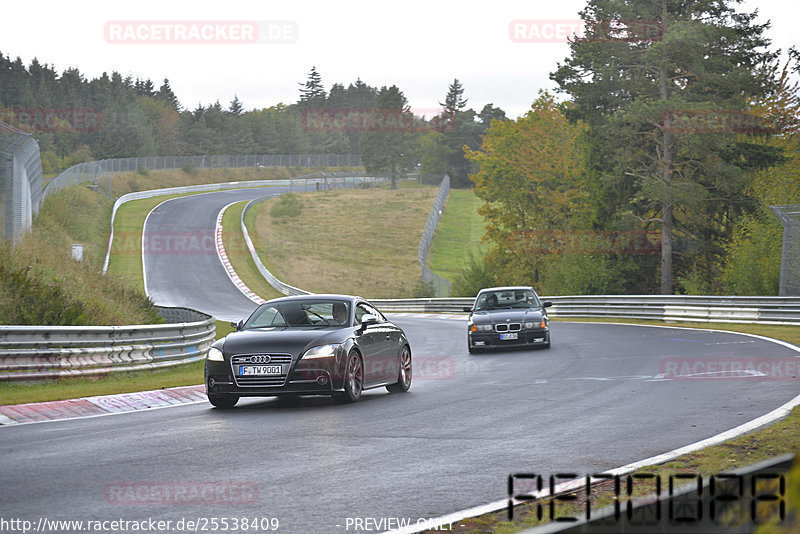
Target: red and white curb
<point>226,263</point>
<point>39,412</point>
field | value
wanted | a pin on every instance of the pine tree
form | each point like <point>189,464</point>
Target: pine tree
<point>312,93</point>
<point>389,147</point>
<point>166,94</point>
<point>236,107</point>
<point>454,101</point>
<point>628,77</point>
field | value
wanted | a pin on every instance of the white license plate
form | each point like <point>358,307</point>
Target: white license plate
<point>508,336</point>
<point>250,370</point>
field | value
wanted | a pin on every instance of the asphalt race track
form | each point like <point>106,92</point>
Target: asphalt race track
<point>595,401</point>
<point>193,276</point>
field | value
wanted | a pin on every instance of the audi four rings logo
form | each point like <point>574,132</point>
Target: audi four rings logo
<point>260,358</point>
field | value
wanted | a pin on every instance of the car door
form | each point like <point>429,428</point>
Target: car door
<point>370,339</point>
<point>388,353</point>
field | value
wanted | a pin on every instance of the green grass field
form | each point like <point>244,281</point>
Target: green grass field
<point>458,233</point>
<point>357,241</point>
<point>126,250</point>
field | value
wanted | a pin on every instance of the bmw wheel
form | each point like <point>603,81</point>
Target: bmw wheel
<point>404,375</point>
<point>353,380</point>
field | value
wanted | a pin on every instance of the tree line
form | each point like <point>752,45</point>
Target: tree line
<point>76,119</point>
<point>656,173</point>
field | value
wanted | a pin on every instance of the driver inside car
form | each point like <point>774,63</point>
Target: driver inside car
<point>340,312</point>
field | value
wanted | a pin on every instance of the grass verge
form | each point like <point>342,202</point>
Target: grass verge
<point>126,250</point>
<point>345,240</point>
<point>458,234</point>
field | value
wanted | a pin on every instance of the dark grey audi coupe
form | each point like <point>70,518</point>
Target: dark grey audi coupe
<point>336,345</point>
<point>507,317</point>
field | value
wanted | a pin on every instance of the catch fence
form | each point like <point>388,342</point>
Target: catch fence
<point>789,216</point>
<point>20,182</point>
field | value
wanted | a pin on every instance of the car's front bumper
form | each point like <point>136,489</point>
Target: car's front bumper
<point>488,340</point>
<point>306,378</point>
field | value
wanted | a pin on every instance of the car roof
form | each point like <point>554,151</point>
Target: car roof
<point>316,296</point>
<point>504,288</point>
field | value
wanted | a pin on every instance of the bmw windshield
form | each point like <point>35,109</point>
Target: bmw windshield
<point>515,298</point>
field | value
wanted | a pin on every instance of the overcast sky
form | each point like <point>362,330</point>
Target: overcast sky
<point>418,45</point>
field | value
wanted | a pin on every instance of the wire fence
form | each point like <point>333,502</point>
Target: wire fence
<point>20,181</point>
<point>91,171</point>
<point>441,286</point>
<point>789,216</point>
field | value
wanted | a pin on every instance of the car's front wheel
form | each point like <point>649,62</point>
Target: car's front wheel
<point>353,380</point>
<point>404,375</point>
<point>223,402</point>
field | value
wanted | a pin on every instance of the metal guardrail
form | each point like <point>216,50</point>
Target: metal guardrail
<point>441,286</point>
<point>93,170</point>
<point>29,353</point>
<point>689,308</point>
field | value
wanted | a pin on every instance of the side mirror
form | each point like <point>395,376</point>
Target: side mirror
<point>237,325</point>
<point>546,304</point>
<point>369,319</point>
<point>468,308</point>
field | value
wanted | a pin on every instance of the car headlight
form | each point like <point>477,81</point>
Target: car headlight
<point>215,355</point>
<point>323,351</point>
<point>539,324</point>
<point>480,327</point>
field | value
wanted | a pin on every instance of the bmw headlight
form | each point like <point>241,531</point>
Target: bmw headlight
<point>482,328</point>
<point>215,355</point>
<point>323,351</point>
<point>539,324</point>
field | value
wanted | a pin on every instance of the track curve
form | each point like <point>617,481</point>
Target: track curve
<point>594,401</point>
<point>180,259</point>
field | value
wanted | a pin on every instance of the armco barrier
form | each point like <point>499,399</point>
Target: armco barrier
<point>93,170</point>
<point>48,352</point>
<point>689,308</point>
<point>283,287</point>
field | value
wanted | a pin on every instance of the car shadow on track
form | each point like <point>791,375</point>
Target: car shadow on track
<point>507,351</point>
<point>288,404</point>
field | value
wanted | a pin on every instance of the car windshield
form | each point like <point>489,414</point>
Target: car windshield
<point>300,314</point>
<point>509,298</point>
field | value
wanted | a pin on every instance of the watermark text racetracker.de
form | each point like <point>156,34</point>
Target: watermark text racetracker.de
<point>351,120</point>
<point>201,32</point>
<point>53,120</point>
<point>588,241</point>
<point>562,31</point>
<point>715,368</point>
<point>181,493</point>
<point>146,525</point>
